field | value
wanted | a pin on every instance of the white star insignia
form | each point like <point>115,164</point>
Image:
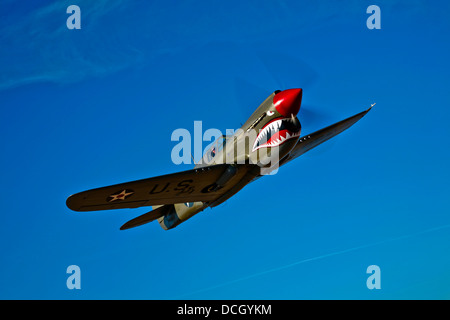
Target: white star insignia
<point>120,196</point>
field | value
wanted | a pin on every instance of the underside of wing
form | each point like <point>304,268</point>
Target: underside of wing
<point>187,186</point>
<point>312,140</point>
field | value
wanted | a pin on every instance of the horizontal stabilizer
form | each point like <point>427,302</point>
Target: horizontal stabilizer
<point>147,217</point>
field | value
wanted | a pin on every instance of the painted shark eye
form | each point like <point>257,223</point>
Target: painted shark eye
<point>270,113</point>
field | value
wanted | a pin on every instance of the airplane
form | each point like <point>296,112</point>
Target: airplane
<point>269,139</point>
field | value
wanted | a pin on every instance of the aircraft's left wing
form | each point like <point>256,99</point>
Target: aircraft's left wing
<point>186,186</point>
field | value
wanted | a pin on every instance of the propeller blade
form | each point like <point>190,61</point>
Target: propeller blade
<point>313,116</point>
<point>282,72</point>
<point>288,71</point>
<point>249,96</point>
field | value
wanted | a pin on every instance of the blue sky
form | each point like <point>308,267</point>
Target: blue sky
<point>97,106</point>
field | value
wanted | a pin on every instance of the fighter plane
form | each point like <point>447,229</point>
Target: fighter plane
<point>269,139</point>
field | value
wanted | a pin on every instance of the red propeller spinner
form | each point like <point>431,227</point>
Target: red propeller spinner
<point>287,102</point>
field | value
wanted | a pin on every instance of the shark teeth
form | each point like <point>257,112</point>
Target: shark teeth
<point>275,133</point>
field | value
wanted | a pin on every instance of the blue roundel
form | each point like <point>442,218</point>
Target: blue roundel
<point>189,204</point>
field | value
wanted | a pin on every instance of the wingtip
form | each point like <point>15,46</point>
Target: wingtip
<point>70,203</point>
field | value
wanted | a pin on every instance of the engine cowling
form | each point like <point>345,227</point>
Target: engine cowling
<point>178,213</point>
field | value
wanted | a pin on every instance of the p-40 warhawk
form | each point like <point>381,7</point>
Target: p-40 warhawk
<point>269,139</point>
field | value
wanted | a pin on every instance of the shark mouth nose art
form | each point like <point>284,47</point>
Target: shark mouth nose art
<point>277,132</point>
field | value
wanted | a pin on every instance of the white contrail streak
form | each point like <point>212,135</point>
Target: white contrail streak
<point>296,263</point>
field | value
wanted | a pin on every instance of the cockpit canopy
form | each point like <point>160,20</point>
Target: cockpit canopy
<point>212,150</point>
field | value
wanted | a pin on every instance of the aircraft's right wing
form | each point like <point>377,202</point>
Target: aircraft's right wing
<point>312,140</point>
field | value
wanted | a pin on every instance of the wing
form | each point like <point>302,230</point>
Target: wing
<point>187,186</point>
<point>312,140</point>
